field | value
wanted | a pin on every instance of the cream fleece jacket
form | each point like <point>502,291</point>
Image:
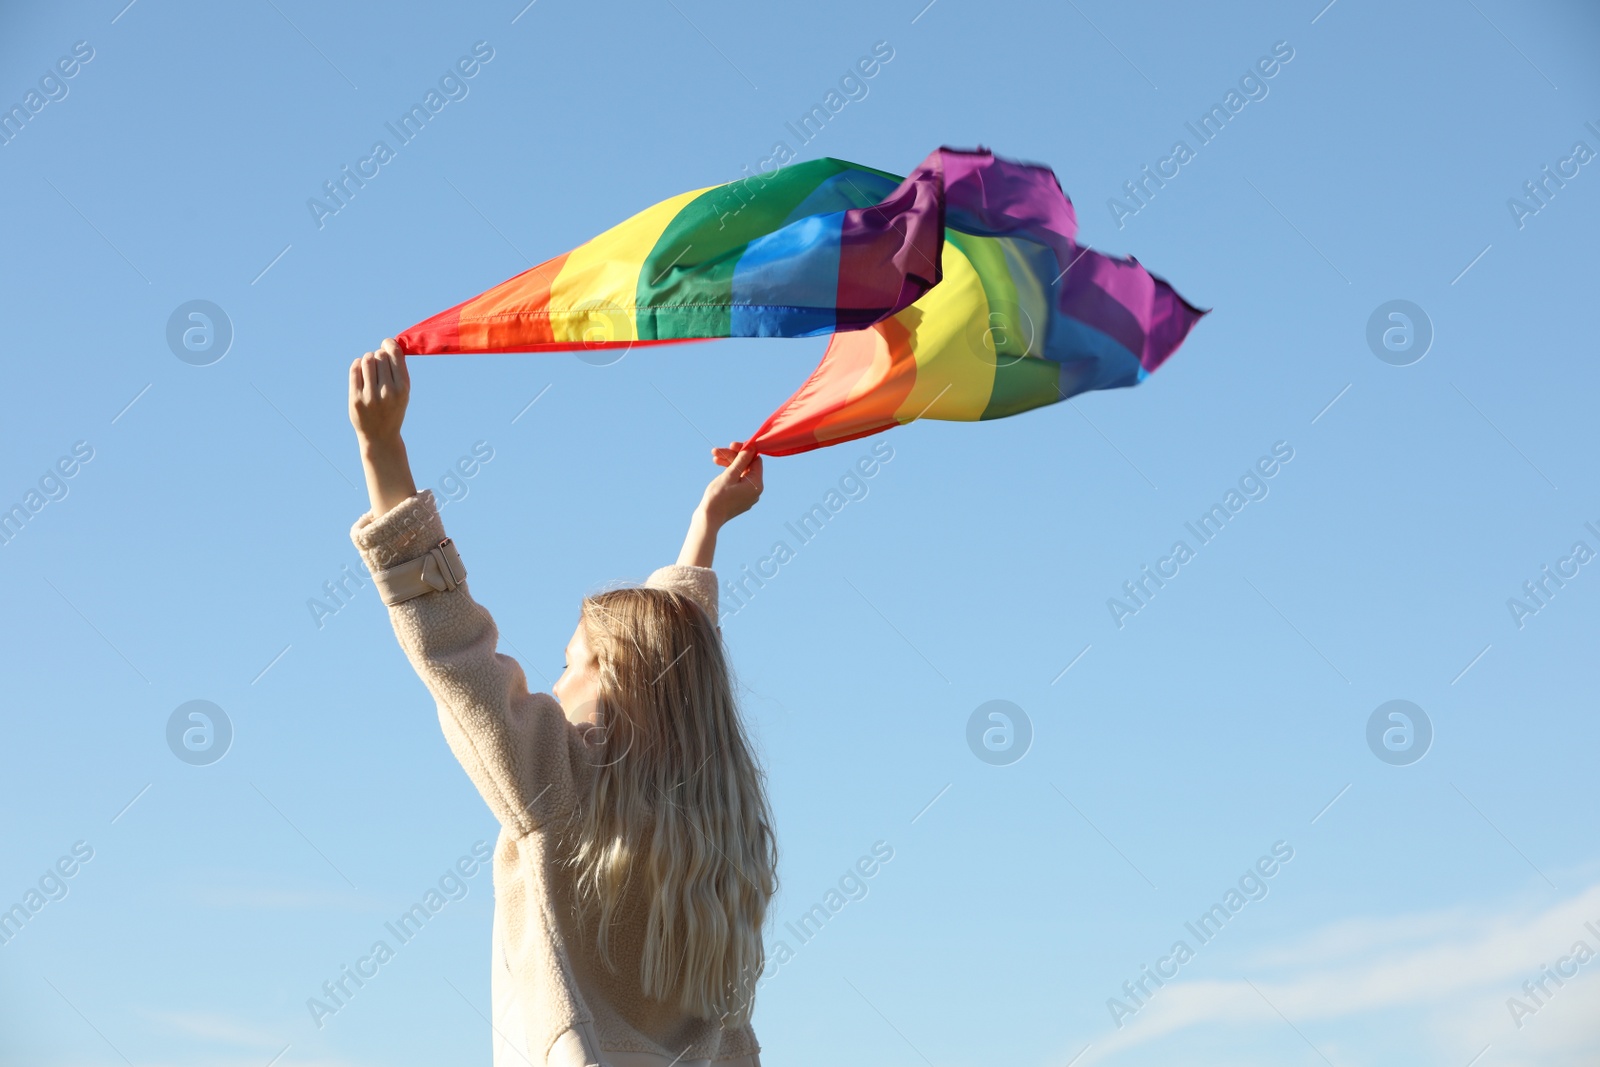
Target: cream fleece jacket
<point>533,767</point>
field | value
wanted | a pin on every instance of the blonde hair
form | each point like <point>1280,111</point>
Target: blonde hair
<point>678,801</point>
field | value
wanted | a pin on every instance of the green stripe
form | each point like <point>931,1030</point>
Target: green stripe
<point>1017,321</point>
<point>1003,337</point>
<point>1024,385</point>
<point>694,260</point>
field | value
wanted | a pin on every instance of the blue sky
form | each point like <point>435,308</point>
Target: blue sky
<point>208,504</point>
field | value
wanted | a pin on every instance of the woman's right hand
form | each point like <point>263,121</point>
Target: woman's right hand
<point>380,387</point>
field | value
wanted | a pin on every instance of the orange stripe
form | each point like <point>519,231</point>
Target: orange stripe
<point>879,393</point>
<point>514,314</point>
<point>863,378</point>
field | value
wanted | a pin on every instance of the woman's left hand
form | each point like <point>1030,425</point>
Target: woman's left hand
<point>734,491</point>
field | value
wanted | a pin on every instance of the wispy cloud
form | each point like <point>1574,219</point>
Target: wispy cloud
<point>1443,977</point>
<point>213,1027</point>
<point>258,1044</point>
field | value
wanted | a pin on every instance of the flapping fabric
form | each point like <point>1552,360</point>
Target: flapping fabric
<point>957,292</point>
<point>1023,317</point>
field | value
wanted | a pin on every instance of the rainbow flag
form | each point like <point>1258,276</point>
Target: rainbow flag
<point>956,292</point>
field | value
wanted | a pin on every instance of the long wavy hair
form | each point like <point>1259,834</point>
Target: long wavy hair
<point>678,802</point>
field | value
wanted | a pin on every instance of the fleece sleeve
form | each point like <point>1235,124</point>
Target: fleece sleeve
<point>697,583</point>
<point>528,762</point>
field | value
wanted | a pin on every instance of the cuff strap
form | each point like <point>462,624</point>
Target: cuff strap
<point>440,569</point>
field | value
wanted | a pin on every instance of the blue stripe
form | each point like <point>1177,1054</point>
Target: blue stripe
<point>797,269</point>
<point>1071,340</point>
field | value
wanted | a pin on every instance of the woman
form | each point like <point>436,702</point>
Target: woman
<point>636,858</point>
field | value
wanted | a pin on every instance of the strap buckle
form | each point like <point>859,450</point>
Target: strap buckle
<point>442,568</point>
<point>436,570</point>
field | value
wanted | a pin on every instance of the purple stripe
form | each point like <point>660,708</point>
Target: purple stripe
<point>997,197</point>
<point>906,231</point>
<point>1112,296</point>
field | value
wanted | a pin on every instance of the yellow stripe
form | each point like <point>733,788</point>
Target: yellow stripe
<point>594,295</point>
<point>955,371</point>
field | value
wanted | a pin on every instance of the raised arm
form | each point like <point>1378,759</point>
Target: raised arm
<point>733,492</point>
<point>518,748</point>
<point>380,388</point>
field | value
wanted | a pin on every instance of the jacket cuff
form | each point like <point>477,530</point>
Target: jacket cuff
<point>404,532</point>
<point>697,583</point>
